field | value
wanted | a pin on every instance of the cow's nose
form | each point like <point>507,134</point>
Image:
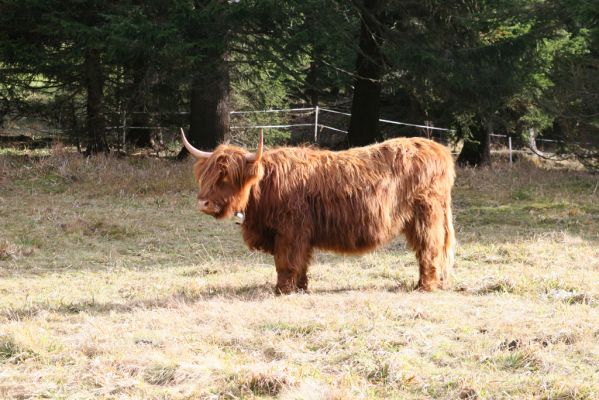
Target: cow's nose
<point>203,204</point>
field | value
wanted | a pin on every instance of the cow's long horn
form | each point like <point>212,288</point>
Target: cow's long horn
<point>251,157</point>
<point>192,150</point>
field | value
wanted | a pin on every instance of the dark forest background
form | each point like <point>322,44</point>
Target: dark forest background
<point>522,68</point>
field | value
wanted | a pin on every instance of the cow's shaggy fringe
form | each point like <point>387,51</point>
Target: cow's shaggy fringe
<point>298,199</point>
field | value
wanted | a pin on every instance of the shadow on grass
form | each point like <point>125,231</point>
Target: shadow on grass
<point>504,223</point>
<point>396,287</point>
<point>246,293</point>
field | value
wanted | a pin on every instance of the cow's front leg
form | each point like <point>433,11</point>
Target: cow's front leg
<point>292,257</point>
<point>302,280</point>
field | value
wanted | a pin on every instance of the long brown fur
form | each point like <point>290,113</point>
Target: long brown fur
<point>297,199</point>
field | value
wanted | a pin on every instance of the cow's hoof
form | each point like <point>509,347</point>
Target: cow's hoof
<point>302,287</point>
<point>283,290</point>
<point>426,287</point>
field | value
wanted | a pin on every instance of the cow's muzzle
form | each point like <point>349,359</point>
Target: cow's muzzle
<point>208,207</point>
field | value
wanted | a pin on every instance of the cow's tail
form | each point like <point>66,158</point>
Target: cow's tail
<point>446,272</point>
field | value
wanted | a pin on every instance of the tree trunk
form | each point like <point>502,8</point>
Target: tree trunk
<point>139,137</point>
<point>209,114</point>
<point>94,83</point>
<point>364,122</point>
<point>477,151</point>
<point>4,109</point>
<point>532,140</point>
<point>311,82</point>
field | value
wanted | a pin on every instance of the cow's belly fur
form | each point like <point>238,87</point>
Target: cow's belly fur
<point>361,230</point>
<point>354,222</point>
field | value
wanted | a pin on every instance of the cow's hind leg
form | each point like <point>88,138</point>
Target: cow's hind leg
<point>426,235</point>
<point>292,257</point>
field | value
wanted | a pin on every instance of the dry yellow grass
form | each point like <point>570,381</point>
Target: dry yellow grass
<point>113,286</point>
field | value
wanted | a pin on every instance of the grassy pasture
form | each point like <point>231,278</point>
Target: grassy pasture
<point>113,286</point>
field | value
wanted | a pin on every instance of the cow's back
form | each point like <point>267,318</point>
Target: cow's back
<point>347,201</point>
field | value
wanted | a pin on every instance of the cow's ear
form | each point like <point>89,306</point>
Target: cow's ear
<point>200,162</point>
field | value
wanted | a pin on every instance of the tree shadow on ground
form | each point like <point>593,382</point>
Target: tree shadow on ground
<point>253,292</point>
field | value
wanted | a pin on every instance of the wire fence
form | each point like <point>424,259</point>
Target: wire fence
<point>317,120</point>
<point>315,113</point>
<point>320,130</point>
<point>320,125</point>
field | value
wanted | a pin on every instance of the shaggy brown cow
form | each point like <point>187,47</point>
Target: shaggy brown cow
<point>296,199</point>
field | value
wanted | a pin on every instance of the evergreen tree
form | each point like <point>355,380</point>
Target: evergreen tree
<point>65,42</point>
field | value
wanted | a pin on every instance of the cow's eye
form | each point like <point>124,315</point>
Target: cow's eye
<point>225,180</point>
